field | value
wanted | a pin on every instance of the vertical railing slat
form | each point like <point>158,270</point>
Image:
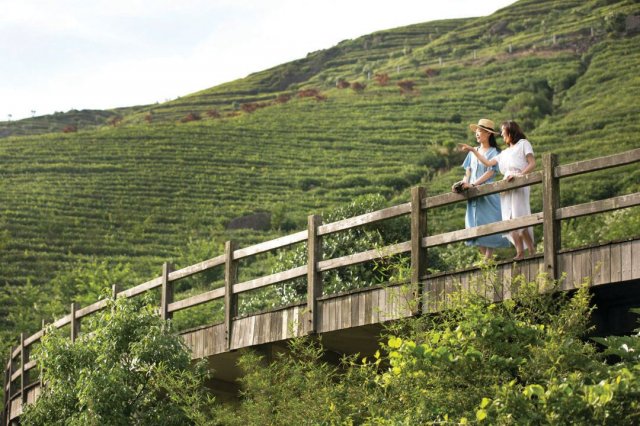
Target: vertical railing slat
<point>314,277</point>
<point>166,296</point>
<point>230,299</point>
<point>24,356</point>
<point>550,205</point>
<point>418,253</point>
<point>75,323</point>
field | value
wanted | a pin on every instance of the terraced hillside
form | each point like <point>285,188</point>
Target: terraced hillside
<point>374,115</point>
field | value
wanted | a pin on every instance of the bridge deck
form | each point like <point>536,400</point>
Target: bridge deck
<point>351,323</point>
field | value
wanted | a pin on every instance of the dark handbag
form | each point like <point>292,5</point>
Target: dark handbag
<point>457,187</point>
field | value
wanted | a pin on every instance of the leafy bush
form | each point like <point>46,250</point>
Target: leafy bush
<point>528,108</point>
<point>130,370</point>
<point>522,361</point>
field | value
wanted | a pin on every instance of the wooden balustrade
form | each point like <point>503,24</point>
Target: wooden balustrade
<point>15,383</point>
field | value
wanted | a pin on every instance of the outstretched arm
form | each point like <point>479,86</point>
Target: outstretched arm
<point>480,157</point>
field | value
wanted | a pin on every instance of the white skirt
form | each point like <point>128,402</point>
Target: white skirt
<point>515,203</point>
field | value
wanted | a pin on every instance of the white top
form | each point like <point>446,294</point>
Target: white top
<point>514,159</point>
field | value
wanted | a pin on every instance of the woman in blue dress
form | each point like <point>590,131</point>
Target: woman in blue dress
<point>483,210</point>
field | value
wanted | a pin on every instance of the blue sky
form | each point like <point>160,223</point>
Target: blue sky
<point>98,54</point>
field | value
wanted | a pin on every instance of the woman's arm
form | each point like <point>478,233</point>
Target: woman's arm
<point>485,177</point>
<point>531,164</point>
<point>480,157</point>
<point>465,180</point>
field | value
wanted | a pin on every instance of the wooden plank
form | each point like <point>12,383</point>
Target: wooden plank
<point>94,307</point>
<point>314,276</point>
<point>600,163</point>
<point>166,292</point>
<point>635,259</point>
<point>625,261</point>
<point>34,338</point>
<point>196,300</point>
<point>139,289</point>
<point>354,309</point>
<point>585,266</point>
<point>362,305</point>
<point>270,245</point>
<point>345,313</point>
<point>576,268</point>
<point>62,321</point>
<point>198,267</point>
<point>368,307</point>
<point>276,326</point>
<point>616,263</point>
<point>600,265</point>
<point>365,219</point>
<point>230,299</point>
<point>600,206</point>
<point>566,261</point>
<point>550,205</point>
<point>353,259</point>
<point>479,191</point>
<point>382,304</point>
<point>335,312</point>
<point>418,232</point>
<point>375,306</point>
<point>284,332</point>
<point>30,365</point>
<point>482,230</point>
<point>270,279</point>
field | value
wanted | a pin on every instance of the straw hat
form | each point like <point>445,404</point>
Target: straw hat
<point>484,124</point>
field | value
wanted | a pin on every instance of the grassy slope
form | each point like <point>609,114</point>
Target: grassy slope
<point>148,192</point>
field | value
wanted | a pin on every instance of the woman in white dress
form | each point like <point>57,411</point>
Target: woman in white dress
<point>516,160</point>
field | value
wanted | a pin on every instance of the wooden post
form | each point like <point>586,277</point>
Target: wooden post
<point>314,278</point>
<point>418,253</point>
<point>24,356</point>
<point>115,289</point>
<point>75,324</point>
<point>551,226</point>
<point>230,300</point>
<point>167,292</point>
<point>7,389</point>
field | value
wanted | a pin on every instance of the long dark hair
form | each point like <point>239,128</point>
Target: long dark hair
<point>514,131</point>
<point>492,141</point>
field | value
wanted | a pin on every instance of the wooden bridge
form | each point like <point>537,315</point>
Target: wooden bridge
<point>351,322</point>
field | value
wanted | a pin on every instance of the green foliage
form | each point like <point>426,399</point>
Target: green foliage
<point>131,369</point>
<point>136,187</point>
<point>522,361</point>
<point>528,108</point>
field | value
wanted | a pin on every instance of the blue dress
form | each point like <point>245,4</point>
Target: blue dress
<point>483,210</point>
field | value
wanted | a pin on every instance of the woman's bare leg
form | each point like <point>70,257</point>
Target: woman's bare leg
<point>517,242</point>
<point>528,242</point>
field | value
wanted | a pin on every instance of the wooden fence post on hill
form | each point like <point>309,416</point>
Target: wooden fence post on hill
<point>74,323</point>
<point>166,296</point>
<point>24,356</point>
<point>550,225</point>
<point>314,277</point>
<point>418,253</point>
<point>230,300</point>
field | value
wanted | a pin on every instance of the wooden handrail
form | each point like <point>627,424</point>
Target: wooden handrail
<point>595,164</point>
<point>550,176</point>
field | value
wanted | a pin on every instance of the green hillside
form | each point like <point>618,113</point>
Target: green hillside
<point>147,184</point>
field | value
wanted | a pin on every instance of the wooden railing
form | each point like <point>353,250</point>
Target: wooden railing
<point>16,385</point>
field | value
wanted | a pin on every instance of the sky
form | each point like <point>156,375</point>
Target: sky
<point>100,54</point>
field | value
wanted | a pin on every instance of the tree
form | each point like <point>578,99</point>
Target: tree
<point>129,370</point>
